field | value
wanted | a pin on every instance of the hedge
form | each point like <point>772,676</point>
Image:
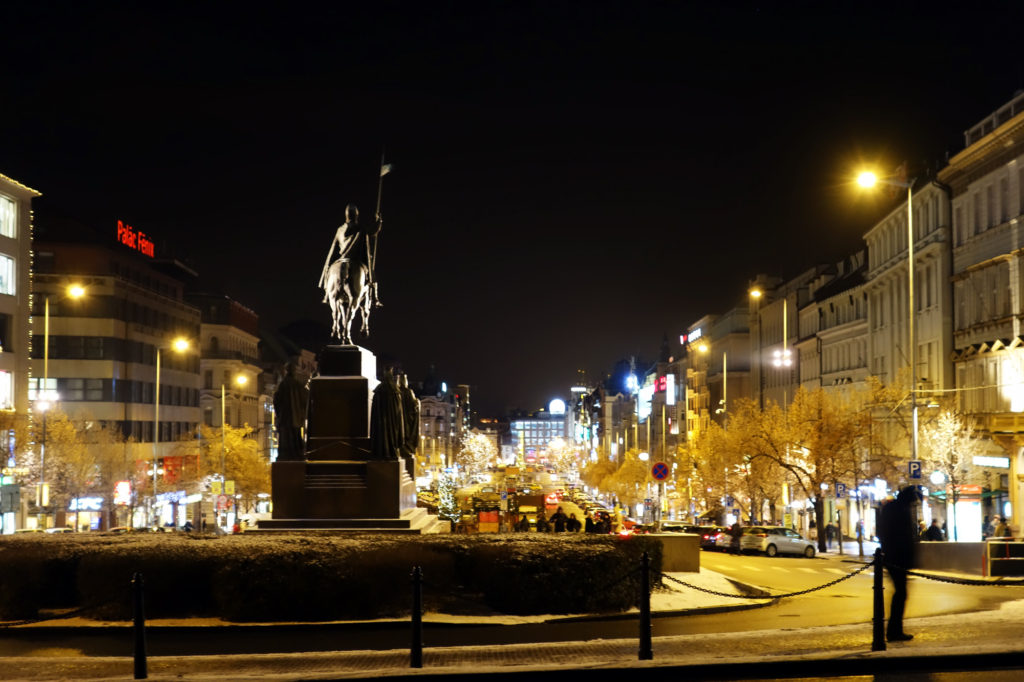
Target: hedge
<point>310,577</point>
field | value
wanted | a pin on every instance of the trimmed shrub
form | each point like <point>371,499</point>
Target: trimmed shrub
<point>321,577</point>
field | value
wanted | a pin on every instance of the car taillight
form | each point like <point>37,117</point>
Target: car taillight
<point>762,535</point>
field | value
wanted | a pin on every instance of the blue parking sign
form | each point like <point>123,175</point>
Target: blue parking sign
<point>840,491</point>
<point>914,469</point>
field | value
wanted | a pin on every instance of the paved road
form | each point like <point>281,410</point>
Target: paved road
<point>847,602</point>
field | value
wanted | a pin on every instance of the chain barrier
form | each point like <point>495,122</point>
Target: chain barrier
<point>998,582</point>
<point>773,596</point>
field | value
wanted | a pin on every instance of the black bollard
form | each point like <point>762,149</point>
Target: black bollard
<point>878,612</point>
<point>646,652</point>
<point>416,650</point>
<point>139,627</point>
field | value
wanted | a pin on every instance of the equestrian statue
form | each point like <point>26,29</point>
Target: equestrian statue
<point>348,278</point>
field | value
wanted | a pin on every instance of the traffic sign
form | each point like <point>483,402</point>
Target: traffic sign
<point>659,472</point>
<point>504,495</point>
<point>914,469</point>
<point>840,491</point>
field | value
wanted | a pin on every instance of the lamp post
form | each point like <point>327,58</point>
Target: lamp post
<point>42,499</point>
<point>868,179</point>
<point>44,397</point>
<point>240,380</point>
<point>178,345</point>
<point>755,295</point>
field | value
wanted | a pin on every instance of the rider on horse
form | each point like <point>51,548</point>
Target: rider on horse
<point>353,246</point>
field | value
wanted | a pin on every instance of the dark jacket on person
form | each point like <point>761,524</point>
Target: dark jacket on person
<point>933,534</point>
<point>897,529</point>
<point>589,526</point>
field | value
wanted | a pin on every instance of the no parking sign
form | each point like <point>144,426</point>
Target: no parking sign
<point>659,472</point>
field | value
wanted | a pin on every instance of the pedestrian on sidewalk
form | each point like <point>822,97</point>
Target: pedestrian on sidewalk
<point>897,530</point>
<point>934,532</point>
<point>1002,530</point>
<point>736,532</point>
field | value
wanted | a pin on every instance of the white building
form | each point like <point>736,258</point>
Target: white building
<point>15,294</point>
<point>987,184</point>
<point>887,288</point>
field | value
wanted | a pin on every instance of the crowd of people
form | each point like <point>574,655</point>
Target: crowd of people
<point>560,522</point>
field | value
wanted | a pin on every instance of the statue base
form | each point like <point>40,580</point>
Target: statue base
<point>339,487</point>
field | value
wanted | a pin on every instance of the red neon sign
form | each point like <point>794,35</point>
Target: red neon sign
<point>660,384</point>
<point>127,235</point>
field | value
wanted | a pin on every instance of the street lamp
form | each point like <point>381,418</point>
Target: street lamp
<point>44,397</point>
<point>73,291</point>
<point>755,295</point>
<point>178,345</point>
<point>868,180</point>
<point>42,498</point>
<point>240,380</point>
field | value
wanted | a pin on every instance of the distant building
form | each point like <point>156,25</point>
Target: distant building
<point>103,346</point>
<point>15,296</point>
<point>230,367</point>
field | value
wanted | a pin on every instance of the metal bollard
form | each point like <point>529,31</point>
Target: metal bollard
<point>139,627</point>
<point>416,650</point>
<point>646,652</point>
<point>878,614</point>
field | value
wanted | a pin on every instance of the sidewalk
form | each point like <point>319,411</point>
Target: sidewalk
<point>963,641</point>
<point>960,641</point>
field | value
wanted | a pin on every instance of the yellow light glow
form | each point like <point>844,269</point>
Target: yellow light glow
<point>76,291</point>
<point>703,348</point>
<point>241,380</point>
<point>180,344</point>
<point>867,179</point>
<point>756,293</point>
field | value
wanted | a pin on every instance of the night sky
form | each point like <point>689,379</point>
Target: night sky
<point>571,180</point>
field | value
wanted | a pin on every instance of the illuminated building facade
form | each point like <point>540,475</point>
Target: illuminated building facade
<point>986,181</point>
<point>103,346</point>
<point>15,296</point>
<point>833,340</point>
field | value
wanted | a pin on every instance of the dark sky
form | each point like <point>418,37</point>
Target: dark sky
<point>571,180</point>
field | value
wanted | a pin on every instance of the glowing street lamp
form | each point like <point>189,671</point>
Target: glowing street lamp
<point>240,381</point>
<point>869,180</point>
<point>178,345</point>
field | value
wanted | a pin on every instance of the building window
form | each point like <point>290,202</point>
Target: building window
<point>7,275</point>
<point>8,214</point>
<point>6,389</point>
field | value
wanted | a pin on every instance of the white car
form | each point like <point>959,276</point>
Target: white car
<point>774,540</point>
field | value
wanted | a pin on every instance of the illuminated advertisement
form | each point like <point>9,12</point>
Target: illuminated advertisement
<point>135,239</point>
<point>644,397</point>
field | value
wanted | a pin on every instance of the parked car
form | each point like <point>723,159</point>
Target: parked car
<point>774,540</point>
<point>29,530</point>
<point>708,534</point>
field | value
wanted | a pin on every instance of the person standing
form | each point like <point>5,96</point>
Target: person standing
<point>934,532</point>
<point>897,530</point>
<point>1002,529</point>
<point>736,532</point>
<point>558,520</point>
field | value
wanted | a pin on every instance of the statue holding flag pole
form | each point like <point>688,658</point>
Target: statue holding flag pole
<point>348,279</point>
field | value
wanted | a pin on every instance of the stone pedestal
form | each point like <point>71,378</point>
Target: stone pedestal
<point>340,487</point>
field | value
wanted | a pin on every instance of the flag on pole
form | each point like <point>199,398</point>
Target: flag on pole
<point>385,168</point>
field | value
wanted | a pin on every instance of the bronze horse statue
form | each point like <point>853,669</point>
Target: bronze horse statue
<point>348,291</point>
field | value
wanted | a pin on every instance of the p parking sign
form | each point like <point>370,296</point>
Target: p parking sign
<point>914,469</point>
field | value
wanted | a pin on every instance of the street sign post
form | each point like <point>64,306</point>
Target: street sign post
<point>914,469</point>
<point>840,491</point>
<point>659,471</point>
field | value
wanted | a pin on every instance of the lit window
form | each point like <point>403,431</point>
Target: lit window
<point>6,389</point>
<point>7,216</point>
<point>6,275</point>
